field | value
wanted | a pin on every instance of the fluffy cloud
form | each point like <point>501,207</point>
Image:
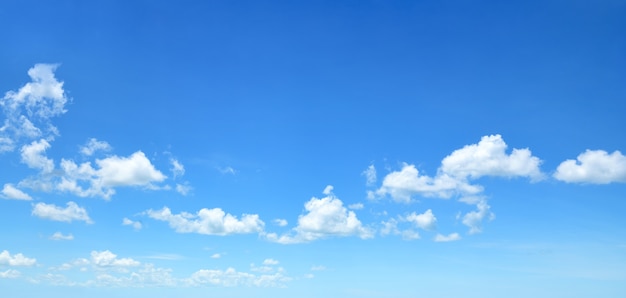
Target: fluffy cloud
<point>60,236</point>
<point>93,145</point>
<point>209,222</point>
<point>10,192</point>
<point>448,238</point>
<point>114,171</point>
<point>426,220</point>
<point>325,217</point>
<point>29,109</point>
<point>33,155</point>
<point>402,185</point>
<point>15,260</point>
<point>593,166</point>
<point>177,168</point>
<point>108,259</point>
<point>68,214</point>
<point>270,262</point>
<point>488,158</point>
<point>231,277</point>
<point>280,222</point>
<point>135,224</point>
<point>474,219</point>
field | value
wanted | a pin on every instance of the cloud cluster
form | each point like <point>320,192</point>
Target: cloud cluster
<point>28,110</point>
<point>15,260</point>
<point>209,222</point>
<point>68,214</point>
<point>593,166</point>
<point>324,217</point>
<point>10,192</point>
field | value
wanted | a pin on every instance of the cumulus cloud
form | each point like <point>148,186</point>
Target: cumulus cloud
<point>135,224</point>
<point>230,277</point>
<point>93,145</point>
<point>10,192</point>
<point>447,238</point>
<point>33,155</point>
<point>68,214</point>
<point>593,166</point>
<point>29,109</point>
<point>209,222</point>
<point>111,172</point>
<point>487,158</point>
<point>325,217</point>
<point>15,260</point>
<point>60,236</point>
<point>426,220</point>
<point>356,206</point>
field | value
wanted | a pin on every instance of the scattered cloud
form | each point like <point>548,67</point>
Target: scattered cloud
<point>12,193</point>
<point>356,206</point>
<point>15,260</point>
<point>593,166</point>
<point>425,221</point>
<point>473,219</point>
<point>227,170</point>
<point>280,222</point>
<point>216,256</point>
<point>68,214</point>
<point>183,189</point>
<point>60,236</point>
<point>106,258</point>
<point>208,222</point>
<point>28,110</point>
<point>318,268</point>
<point>448,238</point>
<point>178,170</point>
<point>325,217</point>
<point>135,224</point>
<point>270,262</point>
<point>11,273</point>
<point>370,175</point>
<point>93,146</point>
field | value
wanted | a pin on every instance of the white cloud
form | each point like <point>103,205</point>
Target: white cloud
<point>488,158</point>
<point>370,175</point>
<point>280,222</point>
<point>448,238</point>
<point>135,224</point>
<point>11,273</point>
<point>325,217</point>
<point>29,109</point>
<point>68,214</point>
<point>60,236</point>
<point>328,190</point>
<point>402,185</point>
<point>33,156</point>
<point>209,222</point>
<point>177,168</point>
<point>318,268</point>
<point>593,166</point>
<point>216,256</point>
<point>473,219</point>
<point>231,277</point>
<point>227,170</point>
<point>15,260</point>
<point>114,171</point>
<point>10,192</point>
<point>93,145</point>
<point>108,259</point>
<point>426,220</point>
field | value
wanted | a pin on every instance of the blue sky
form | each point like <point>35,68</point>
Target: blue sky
<point>316,148</point>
